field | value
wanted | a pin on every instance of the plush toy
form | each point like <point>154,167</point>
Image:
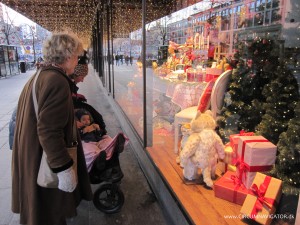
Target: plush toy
<point>172,59</point>
<point>189,42</point>
<point>202,149</point>
<point>173,45</point>
<point>196,41</point>
<point>186,132</point>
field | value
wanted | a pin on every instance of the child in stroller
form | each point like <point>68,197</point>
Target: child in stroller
<point>102,159</point>
<point>100,150</point>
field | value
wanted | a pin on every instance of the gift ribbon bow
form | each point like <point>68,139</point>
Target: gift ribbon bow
<point>261,200</point>
<point>243,133</point>
<point>237,181</point>
<point>237,184</point>
<point>243,167</point>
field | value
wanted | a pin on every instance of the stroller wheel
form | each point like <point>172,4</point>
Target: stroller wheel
<point>108,198</point>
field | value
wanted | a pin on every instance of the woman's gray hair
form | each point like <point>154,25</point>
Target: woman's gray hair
<point>60,46</point>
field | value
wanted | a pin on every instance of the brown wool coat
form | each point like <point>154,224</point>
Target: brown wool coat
<point>53,132</point>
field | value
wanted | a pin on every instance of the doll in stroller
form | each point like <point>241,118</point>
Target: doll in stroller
<point>102,158</point>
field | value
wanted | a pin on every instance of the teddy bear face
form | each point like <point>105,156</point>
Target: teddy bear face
<point>203,121</point>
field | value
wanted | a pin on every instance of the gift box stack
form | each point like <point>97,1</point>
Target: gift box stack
<point>231,152</point>
<point>247,186</point>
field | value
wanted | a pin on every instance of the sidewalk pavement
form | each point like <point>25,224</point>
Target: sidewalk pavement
<point>140,207</point>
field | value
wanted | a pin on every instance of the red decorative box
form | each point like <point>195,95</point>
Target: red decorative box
<point>234,139</point>
<point>255,154</point>
<point>212,73</point>
<point>230,188</point>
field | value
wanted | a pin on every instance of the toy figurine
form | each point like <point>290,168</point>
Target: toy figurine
<point>202,149</point>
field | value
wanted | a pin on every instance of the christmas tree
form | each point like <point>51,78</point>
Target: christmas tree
<point>243,109</point>
<point>287,167</point>
<point>281,95</point>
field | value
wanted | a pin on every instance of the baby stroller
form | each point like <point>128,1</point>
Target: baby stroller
<point>108,197</point>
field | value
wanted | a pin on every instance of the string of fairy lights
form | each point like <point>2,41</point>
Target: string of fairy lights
<point>57,15</point>
<point>127,15</point>
<point>79,16</point>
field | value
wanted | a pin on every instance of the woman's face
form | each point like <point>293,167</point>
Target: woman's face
<point>71,63</point>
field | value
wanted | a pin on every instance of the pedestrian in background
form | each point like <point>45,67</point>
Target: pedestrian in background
<point>131,59</point>
<point>127,60</point>
<point>117,57</point>
<point>50,131</point>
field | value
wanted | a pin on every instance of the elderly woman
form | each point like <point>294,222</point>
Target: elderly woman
<point>50,131</point>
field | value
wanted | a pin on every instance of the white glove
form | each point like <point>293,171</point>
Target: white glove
<point>67,180</point>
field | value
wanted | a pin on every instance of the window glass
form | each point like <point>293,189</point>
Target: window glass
<point>268,17</point>
<point>276,16</point>
<point>183,52</point>
<point>128,68</point>
<point>178,70</point>
<point>158,85</point>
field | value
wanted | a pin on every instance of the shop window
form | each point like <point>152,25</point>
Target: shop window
<point>2,70</point>
<point>225,23</point>
<point>252,7</point>
<point>8,60</point>
<point>259,19</point>
<point>275,3</point>
<point>276,16</point>
<point>175,73</point>
<point>260,5</point>
<point>5,52</point>
<point>268,17</point>
<point>269,4</point>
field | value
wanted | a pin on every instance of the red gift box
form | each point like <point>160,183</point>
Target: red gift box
<point>255,154</point>
<point>230,188</point>
<point>234,139</point>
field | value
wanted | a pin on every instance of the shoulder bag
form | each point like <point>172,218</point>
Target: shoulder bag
<point>46,178</point>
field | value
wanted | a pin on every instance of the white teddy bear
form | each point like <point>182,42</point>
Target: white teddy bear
<point>202,149</point>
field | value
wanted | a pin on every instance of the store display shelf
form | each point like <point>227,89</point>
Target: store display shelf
<point>199,203</point>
